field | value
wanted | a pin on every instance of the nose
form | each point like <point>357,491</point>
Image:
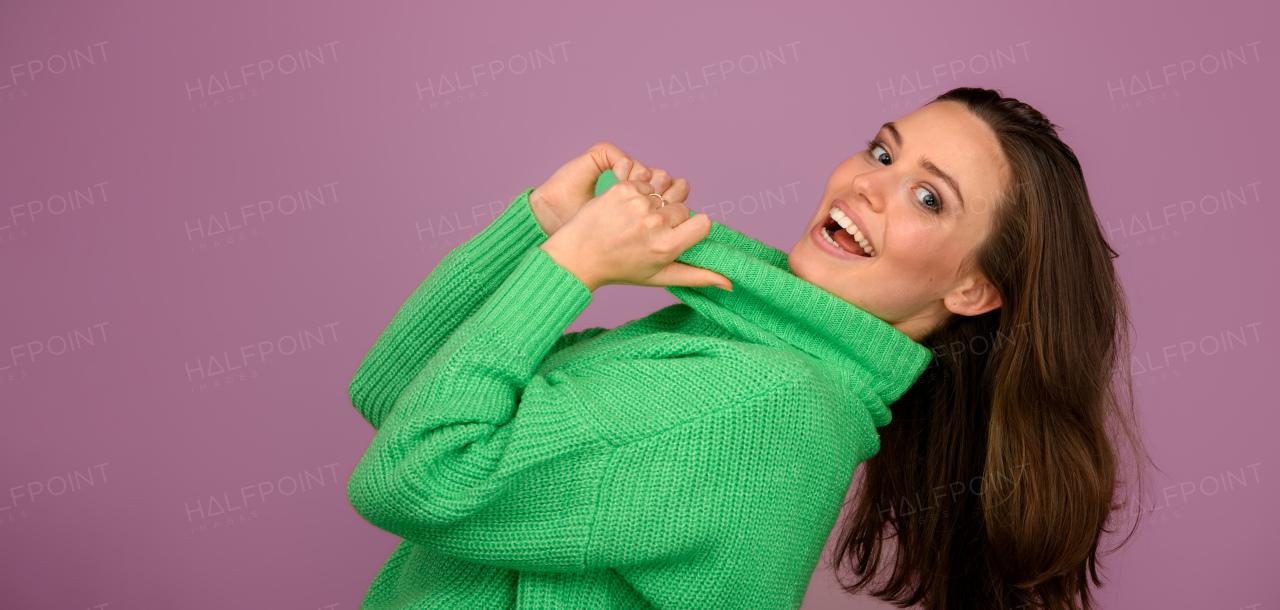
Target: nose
<point>866,187</point>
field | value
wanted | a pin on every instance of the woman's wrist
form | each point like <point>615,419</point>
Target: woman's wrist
<point>571,263</point>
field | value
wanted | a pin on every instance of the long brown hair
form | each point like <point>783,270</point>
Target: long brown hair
<point>1000,469</point>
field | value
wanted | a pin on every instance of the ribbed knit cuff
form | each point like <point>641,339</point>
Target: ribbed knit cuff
<point>515,228</point>
<point>534,305</point>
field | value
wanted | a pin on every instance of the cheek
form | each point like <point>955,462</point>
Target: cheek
<point>923,260</point>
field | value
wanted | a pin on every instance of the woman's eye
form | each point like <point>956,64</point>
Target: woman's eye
<point>929,200</point>
<point>877,156</point>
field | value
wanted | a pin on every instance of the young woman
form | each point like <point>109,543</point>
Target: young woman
<point>950,317</point>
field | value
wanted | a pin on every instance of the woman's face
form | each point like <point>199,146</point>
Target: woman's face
<point>915,220</point>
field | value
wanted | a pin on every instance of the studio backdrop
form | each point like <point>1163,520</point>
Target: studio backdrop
<point>210,210</point>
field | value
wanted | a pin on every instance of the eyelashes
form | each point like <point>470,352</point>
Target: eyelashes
<point>874,144</point>
<point>871,145</point>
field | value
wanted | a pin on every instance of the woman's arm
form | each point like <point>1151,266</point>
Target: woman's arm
<point>646,466</point>
<point>449,295</point>
<point>475,427</point>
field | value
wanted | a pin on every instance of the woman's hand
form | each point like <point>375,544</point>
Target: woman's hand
<point>556,201</point>
<point>626,236</point>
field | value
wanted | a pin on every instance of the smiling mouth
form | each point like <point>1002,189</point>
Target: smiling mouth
<point>844,234</point>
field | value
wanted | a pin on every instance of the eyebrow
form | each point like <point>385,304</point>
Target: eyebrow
<point>926,163</point>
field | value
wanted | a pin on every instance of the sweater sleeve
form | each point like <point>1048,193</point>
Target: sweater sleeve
<point>485,461</point>
<point>481,459</point>
<point>450,294</point>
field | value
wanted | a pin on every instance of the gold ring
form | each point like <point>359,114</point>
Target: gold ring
<point>659,196</point>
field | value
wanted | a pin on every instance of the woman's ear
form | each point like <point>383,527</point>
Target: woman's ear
<point>974,296</point>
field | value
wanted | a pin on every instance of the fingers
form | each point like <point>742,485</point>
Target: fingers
<point>665,232</point>
<point>691,231</point>
<point>677,190</point>
<point>677,273</point>
<point>622,168</point>
<point>607,155</point>
<point>640,172</point>
<point>661,181</point>
<point>674,189</point>
<point>675,212</point>
<point>626,168</point>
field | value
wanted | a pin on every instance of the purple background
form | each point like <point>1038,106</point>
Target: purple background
<point>135,378</point>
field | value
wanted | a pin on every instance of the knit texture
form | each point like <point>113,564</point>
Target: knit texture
<point>695,458</point>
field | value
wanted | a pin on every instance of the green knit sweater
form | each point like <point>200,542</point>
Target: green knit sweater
<point>695,458</point>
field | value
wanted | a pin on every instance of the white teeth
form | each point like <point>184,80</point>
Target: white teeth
<point>847,224</point>
<point>827,234</point>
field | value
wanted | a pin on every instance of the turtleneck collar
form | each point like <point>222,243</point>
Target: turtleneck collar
<point>769,304</point>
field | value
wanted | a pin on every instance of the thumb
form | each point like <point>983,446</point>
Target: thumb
<point>693,230</point>
<point>607,156</point>
<point>677,273</point>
